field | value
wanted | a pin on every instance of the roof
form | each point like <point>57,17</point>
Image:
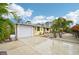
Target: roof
<point>34,25</point>
<point>75,27</point>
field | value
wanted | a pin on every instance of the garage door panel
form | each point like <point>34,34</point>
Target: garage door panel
<point>25,31</point>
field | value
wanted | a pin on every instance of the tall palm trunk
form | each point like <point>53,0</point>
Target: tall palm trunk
<point>54,34</point>
<point>16,31</point>
<point>60,34</point>
<point>76,35</point>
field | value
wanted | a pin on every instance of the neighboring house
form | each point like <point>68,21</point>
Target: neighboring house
<point>28,30</point>
<point>75,28</point>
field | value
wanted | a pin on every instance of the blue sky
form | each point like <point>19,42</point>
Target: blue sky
<point>44,12</point>
<point>51,9</point>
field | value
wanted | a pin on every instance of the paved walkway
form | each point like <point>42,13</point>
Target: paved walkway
<point>39,46</point>
<point>65,37</point>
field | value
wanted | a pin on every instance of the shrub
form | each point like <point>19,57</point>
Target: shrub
<point>6,29</point>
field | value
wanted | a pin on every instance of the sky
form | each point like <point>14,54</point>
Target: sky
<point>45,12</point>
<point>51,9</point>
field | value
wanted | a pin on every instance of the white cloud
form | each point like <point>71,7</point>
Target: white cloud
<point>42,19</point>
<point>28,12</point>
<point>20,10</point>
<point>74,16</point>
<point>16,8</point>
<point>38,19</point>
<point>50,18</point>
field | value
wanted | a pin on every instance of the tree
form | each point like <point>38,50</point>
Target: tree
<point>3,9</point>
<point>17,18</point>
<point>59,25</point>
<point>6,26</point>
<point>6,29</point>
<point>54,27</point>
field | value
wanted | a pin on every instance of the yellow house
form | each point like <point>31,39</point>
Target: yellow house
<point>39,30</point>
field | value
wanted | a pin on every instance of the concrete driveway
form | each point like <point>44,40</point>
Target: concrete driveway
<point>39,46</point>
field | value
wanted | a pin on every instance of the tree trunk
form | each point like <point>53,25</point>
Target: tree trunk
<point>76,34</point>
<point>55,35</point>
<point>16,32</point>
<point>60,34</point>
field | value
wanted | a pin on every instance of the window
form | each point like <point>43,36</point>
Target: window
<point>38,28</point>
<point>47,29</point>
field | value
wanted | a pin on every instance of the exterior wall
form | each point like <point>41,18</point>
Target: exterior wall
<point>47,31</point>
<point>35,32</point>
<point>41,31</point>
<point>24,31</point>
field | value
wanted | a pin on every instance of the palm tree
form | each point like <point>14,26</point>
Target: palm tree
<point>17,18</point>
<point>55,27</point>
<point>59,25</point>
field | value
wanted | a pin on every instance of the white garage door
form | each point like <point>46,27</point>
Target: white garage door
<point>25,31</point>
